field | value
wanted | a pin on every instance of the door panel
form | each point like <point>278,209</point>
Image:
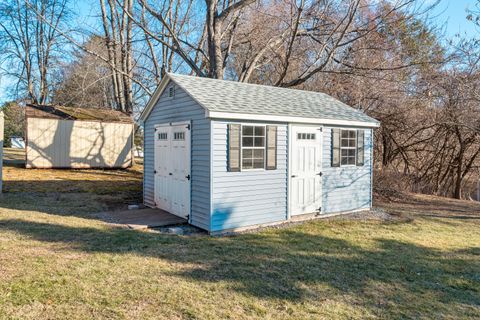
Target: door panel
<point>162,163</point>
<point>181,170</point>
<point>305,179</point>
<point>172,165</point>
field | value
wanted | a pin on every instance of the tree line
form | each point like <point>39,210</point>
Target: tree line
<point>387,58</point>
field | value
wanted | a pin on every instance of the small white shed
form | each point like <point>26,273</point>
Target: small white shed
<point>17,143</point>
<point>65,137</point>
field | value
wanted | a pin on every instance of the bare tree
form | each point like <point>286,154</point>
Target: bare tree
<point>117,27</point>
<point>31,47</point>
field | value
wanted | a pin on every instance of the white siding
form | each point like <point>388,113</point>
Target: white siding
<point>247,198</point>
<point>346,188</point>
<point>182,108</point>
<point>55,143</point>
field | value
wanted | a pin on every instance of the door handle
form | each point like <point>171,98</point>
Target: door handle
<point>170,174</point>
<point>293,176</point>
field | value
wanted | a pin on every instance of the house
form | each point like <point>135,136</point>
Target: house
<point>17,142</point>
<point>228,155</point>
<point>65,137</point>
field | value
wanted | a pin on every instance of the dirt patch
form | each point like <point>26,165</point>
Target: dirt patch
<point>419,205</point>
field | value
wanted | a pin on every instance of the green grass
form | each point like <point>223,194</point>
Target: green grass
<point>58,261</point>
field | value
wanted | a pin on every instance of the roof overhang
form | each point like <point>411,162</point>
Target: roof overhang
<point>290,119</point>
<point>154,98</point>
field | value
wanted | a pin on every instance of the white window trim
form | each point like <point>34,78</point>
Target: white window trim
<point>348,148</point>
<point>264,146</point>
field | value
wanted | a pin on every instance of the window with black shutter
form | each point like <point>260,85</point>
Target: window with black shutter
<point>252,147</point>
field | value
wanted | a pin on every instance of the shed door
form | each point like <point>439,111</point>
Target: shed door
<point>172,168</point>
<point>305,170</point>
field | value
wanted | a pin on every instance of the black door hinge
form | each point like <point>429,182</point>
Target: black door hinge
<point>188,177</point>
<point>320,174</point>
<point>154,171</point>
<point>188,126</point>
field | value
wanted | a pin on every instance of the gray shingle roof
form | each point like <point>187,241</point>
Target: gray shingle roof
<point>236,97</point>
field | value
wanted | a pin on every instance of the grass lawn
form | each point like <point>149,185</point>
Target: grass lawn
<point>58,261</point>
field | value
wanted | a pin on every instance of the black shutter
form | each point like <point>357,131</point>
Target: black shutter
<point>233,147</point>
<point>335,147</point>
<point>271,148</point>
<point>360,148</point>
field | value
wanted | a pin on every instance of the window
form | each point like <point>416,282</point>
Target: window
<point>179,136</point>
<point>162,136</point>
<point>305,136</point>
<point>251,147</point>
<point>171,92</point>
<point>348,147</point>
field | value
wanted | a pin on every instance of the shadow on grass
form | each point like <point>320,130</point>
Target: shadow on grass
<point>76,204</point>
<point>100,186</point>
<point>79,193</point>
<point>290,264</point>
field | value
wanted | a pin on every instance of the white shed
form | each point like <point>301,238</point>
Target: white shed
<point>65,137</point>
<point>17,143</point>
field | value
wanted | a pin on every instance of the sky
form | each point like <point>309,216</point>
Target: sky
<point>449,14</point>
<point>452,15</point>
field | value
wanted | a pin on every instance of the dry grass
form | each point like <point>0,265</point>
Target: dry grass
<point>125,184</point>
<point>58,261</point>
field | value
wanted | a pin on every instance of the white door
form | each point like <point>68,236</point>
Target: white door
<point>162,167</point>
<point>305,170</point>
<point>172,168</point>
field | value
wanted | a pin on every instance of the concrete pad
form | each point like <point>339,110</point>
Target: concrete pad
<point>143,218</point>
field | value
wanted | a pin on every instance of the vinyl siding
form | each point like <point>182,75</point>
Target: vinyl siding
<point>247,198</point>
<point>349,187</point>
<point>182,108</point>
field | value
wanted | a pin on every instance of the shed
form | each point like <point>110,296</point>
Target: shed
<point>65,137</point>
<point>229,155</point>
<point>17,143</point>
